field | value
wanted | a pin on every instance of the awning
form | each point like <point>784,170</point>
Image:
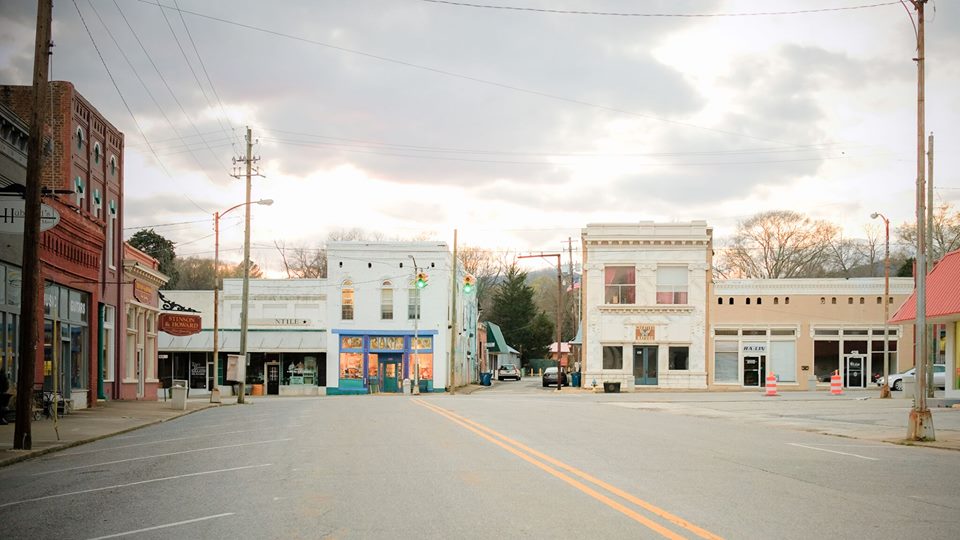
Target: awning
<point>257,341</point>
<point>495,341</point>
<point>943,293</point>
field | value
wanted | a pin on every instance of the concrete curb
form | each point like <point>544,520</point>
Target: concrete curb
<point>30,454</point>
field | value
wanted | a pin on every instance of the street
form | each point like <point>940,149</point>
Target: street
<point>516,460</point>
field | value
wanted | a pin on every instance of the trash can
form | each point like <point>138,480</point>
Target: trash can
<point>406,386</point>
<point>179,398</point>
<point>611,388</point>
<point>575,379</point>
<point>485,378</point>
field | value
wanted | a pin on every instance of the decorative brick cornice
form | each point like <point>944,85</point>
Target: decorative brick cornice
<point>658,309</point>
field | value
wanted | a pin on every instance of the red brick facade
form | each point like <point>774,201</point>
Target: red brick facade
<point>86,156</point>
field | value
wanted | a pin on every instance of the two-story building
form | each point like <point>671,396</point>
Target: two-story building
<point>645,289</point>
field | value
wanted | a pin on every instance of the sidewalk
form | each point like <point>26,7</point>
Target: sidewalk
<point>86,425</point>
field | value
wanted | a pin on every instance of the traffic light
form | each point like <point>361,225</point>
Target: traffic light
<point>421,280</point>
<point>469,284</point>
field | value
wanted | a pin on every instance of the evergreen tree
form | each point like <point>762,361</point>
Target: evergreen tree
<point>161,249</point>
<point>514,311</point>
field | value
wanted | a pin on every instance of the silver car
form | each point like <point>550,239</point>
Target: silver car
<point>939,377</point>
<point>508,371</point>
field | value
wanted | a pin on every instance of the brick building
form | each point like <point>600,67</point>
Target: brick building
<point>81,256</point>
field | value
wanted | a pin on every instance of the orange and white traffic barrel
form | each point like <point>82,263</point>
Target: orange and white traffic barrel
<point>836,387</point>
<point>771,385</point>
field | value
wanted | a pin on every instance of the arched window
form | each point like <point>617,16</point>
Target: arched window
<point>759,301</point>
<point>879,300</point>
<point>346,301</point>
<point>850,300</point>
<point>730,301</point>
<point>719,301</point>
<point>113,165</point>
<point>96,152</point>
<point>747,300</point>
<point>786,300</point>
<point>861,300</point>
<point>823,300</point>
<point>776,300</point>
<point>386,301</point>
<point>79,139</point>
<point>833,300</point>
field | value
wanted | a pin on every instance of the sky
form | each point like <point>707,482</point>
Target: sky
<point>516,127</point>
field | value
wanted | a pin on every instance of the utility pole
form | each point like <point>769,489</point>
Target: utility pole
<point>576,324</point>
<point>920,422</point>
<point>31,285</point>
<point>931,261</point>
<point>245,303</point>
<point>453,316</point>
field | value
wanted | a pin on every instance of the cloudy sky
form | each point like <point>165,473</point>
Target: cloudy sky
<point>411,118</point>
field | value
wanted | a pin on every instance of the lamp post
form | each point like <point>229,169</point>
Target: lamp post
<point>215,391</point>
<point>885,389</point>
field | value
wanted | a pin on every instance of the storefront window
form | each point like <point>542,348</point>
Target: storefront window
<point>51,300</point>
<point>679,358</point>
<point>9,337</point>
<point>725,362</point>
<point>422,343</point>
<point>109,322</point>
<point>389,343</point>
<point>613,357</point>
<point>14,276</point>
<point>426,366</point>
<point>351,365</point>
<point>783,356</point>
<point>373,365</point>
<point>78,375</point>
<point>351,342</point>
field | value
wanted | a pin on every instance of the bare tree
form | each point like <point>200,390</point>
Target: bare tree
<point>844,256</point>
<point>946,231</point>
<point>484,265</point>
<point>872,248</point>
<point>303,262</point>
<point>778,244</point>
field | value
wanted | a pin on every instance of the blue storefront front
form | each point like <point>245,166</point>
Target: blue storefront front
<point>375,361</point>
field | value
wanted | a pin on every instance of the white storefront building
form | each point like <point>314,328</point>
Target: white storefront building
<point>645,291</point>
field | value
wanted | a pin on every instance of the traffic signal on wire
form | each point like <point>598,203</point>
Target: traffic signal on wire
<point>421,280</point>
<point>469,284</point>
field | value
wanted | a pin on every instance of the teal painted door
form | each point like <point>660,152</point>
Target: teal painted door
<point>390,369</point>
<point>645,365</point>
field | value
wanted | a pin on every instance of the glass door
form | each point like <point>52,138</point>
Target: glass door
<point>645,365</point>
<point>390,368</point>
<point>853,375</point>
<point>754,371</point>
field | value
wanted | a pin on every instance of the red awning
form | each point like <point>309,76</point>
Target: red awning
<point>943,292</point>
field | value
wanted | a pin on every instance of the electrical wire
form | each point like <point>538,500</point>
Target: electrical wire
<point>657,15</point>
<point>126,105</point>
<point>465,77</point>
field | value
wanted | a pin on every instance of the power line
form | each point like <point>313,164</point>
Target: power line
<point>144,85</point>
<point>125,104</point>
<point>465,77</point>
<point>657,15</point>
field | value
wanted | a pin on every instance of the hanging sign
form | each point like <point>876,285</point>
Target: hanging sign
<point>12,215</point>
<point>179,324</point>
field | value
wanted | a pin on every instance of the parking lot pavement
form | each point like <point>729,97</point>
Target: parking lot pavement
<point>86,425</point>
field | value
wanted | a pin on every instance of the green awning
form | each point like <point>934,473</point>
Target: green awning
<point>495,341</point>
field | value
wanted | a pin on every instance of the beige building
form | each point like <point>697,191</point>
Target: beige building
<point>800,329</point>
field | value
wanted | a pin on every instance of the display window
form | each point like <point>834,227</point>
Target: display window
<point>386,343</point>
<point>373,365</point>
<point>351,342</point>
<point>422,343</point>
<point>351,365</point>
<point>425,360</point>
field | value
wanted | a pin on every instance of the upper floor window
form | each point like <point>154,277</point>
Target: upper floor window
<point>79,139</point>
<point>96,152</point>
<point>620,285</point>
<point>113,165</point>
<point>413,303</point>
<point>346,301</point>
<point>672,285</point>
<point>386,301</point>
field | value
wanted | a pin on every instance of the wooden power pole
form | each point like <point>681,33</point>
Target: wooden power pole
<point>31,289</point>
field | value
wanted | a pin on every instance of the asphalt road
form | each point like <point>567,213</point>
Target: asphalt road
<point>514,461</point>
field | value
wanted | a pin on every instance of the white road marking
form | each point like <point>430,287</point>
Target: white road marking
<point>117,486</point>
<point>177,524</point>
<point>159,455</point>
<point>834,451</point>
<point>67,454</point>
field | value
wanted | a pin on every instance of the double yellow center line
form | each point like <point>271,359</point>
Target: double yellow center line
<point>559,469</point>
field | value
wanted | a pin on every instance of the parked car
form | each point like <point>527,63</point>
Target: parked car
<point>508,371</point>
<point>550,377</point>
<point>939,377</point>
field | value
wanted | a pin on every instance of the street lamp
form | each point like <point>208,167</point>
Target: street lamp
<point>215,391</point>
<point>885,389</point>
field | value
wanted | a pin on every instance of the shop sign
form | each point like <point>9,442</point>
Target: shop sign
<point>12,215</point>
<point>755,348</point>
<point>179,324</point>
<point>279,321</point>
<point>646,332</point>
<point>142,292</point>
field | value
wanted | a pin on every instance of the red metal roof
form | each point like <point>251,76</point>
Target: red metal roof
<point>943,292</point>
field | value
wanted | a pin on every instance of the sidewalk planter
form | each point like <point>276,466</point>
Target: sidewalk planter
<point>257,390</point>
<point>611,388</point>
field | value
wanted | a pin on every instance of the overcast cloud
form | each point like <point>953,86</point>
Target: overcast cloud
<point>516,128</point>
